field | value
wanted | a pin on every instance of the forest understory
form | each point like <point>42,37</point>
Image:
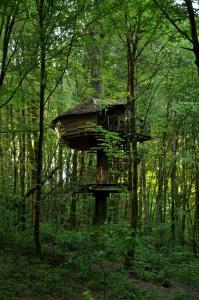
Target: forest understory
<point>89,264</point>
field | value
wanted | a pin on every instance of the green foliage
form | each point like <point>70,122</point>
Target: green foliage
<point>178,264</point>
<point>111,143</point>
<point>89,263</point>
<point>89,256</point>
<point>88,296</point>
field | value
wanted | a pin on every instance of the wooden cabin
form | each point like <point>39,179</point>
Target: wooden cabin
<point>78,127</point>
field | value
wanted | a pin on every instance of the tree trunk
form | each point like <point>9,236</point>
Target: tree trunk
<point>14,152</point>
<point>39,157</point>
<point>196,216</point>
<point>147,225</point>
<point>174,188</point>
<point>60,181</point>
<point>194,34</point>
<point>100,196</point>
<point>196,182</point>
<point>73,207</point>
<point>102,161</point>
<point>132,141</point>
<point>9,24</point>
<point>22,173</point>
<point>184,202</point>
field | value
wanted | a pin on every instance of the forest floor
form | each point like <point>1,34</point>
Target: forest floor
<point>88,265</point>
<point>176,291</point>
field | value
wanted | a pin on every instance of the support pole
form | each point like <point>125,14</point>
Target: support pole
<point>100,207</point>
<point>101,196</point>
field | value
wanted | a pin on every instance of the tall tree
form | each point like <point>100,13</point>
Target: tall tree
<point>39,156</point>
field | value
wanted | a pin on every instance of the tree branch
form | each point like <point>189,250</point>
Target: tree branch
<point>18,86</point>
<point>62,74</point>
<point>172,21</point>
<point>31,191</point>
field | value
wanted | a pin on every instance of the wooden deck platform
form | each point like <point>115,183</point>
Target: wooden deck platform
<point>102,187</point>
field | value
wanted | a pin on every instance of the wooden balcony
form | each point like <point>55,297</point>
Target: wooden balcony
<point>116,174</point>
<point>118,123</point>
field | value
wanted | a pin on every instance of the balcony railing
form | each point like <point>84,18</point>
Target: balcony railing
<point>116,174</point>
<point>118,123</point>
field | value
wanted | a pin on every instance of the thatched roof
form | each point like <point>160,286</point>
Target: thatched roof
<point>90,106</point>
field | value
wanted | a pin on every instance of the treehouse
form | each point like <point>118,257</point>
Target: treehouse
<point>78,127</point>
<point>81,128</point>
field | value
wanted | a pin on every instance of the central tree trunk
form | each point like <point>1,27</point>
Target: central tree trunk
<point>101,196</point>
<point>102,160</point>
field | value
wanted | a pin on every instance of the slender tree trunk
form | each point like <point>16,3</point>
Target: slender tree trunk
<point>14,152</point>
<point>196,216</point>
<point>39,157</point>
<point>193,27</point>
<point>159,204</point>
<point>147,226</point>
<point>9,24</point>
<point>95,57</point>
<point>22,173</point>
<point>82,176</point>
<point>32,181</point>
<point>132,142</point>
<point>73,207</point>
<point>2,175</point>
<point>184,202</point>
<point>60,181</point>
<point>140,202</point>
<point>196,183</point>
<point>165,193</point>
<point>60,163</point>
<point>174,188</point>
